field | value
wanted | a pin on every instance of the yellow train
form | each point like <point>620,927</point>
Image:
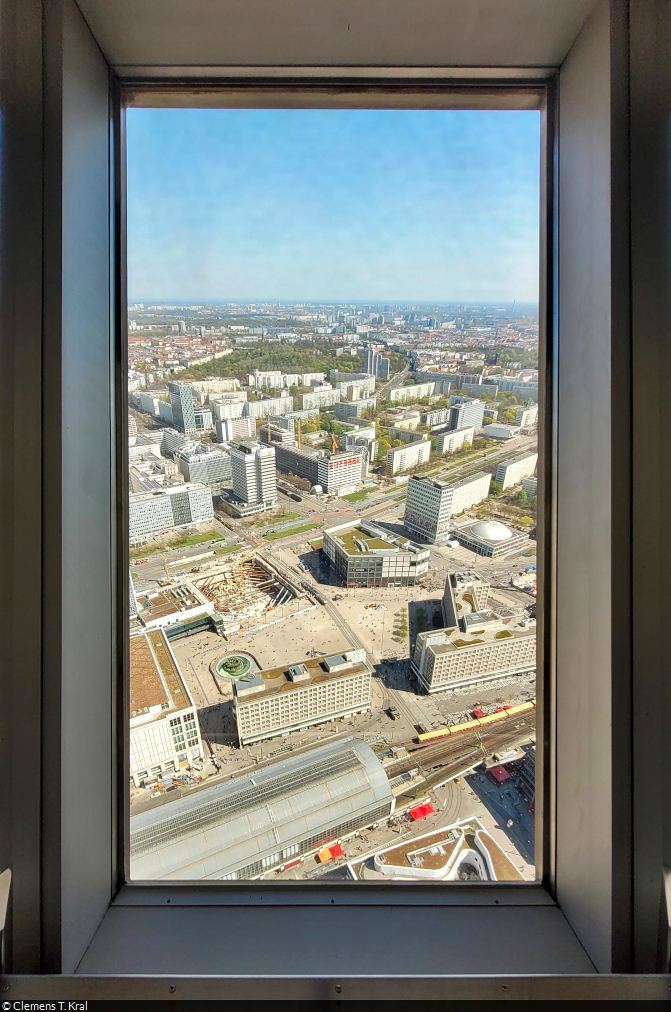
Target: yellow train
<point>470,725</point>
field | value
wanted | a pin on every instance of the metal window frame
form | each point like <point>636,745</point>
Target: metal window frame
<point>377,88</point>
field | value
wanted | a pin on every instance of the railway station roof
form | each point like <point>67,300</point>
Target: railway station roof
<point>260,816</point>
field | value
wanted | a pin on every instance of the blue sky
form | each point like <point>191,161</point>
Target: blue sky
<point>313,205</point>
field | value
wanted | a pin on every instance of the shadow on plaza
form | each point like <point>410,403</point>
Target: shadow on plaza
<point>504,803</point>
<point>218,723</point>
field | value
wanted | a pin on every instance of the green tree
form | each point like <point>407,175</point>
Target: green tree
<point>495,488</point>
<point>522,496</point>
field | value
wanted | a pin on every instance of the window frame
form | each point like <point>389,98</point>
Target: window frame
<point>375,89</point>
<point>610,844</point>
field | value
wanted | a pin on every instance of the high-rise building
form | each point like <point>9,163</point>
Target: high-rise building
<point>181,402</point>
<point>454,439</point>
<point>430,503</point>
<point>132,426</point>
<point>235,428</point>
<point>510,472</point>
<point>468,413</point>
<point>254,474</point>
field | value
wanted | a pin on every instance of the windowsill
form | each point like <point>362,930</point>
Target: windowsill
<point>201,931</point>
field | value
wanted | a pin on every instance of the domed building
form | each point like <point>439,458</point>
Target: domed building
<point>488,537</point>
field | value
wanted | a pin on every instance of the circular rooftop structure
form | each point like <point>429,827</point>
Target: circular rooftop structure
<point>491,530</point>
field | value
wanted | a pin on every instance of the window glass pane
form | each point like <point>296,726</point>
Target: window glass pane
<point>333,388</point>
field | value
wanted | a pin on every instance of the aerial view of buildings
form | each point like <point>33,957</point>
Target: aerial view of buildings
<point>332,515</point>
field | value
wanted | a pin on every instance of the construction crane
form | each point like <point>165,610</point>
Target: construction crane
<point>298,432</point>
<point>334,443</point>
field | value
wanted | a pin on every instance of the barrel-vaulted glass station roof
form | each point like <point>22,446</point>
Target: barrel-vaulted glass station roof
<point>258,821</point>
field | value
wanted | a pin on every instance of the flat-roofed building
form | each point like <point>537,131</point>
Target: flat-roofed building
<point>431,503</point>
<point>488,537</point>
<point>254,474</point>
<point>235,428</point>
<point>301,461</point>
<point>273,703</point>
<point>164,730</point>
<point>223,409</point>
<point>403,458</point>
<point>181,403</point>
<point>365,555</point>
<point>497,430</point>
<point>151,513</point>
<point>478,645</point>
<point>203,462</point>
<point>530,486</point>
<point>453,440</point>
<point>341,473</point>
<point>353,409</point>
<point>510,472</point>
<point>467,413</point>
<point>320,398</point>
<point>268,406</point>
<point>527,418</point>
<point>265,818</point>
<point>412,393</point>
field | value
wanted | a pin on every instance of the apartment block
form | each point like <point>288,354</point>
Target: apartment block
<point>235,428</point>
<point>453,440</point>
<point>402,458</point>
<point>411,393</point>
<point>467,414</point>
<point>527,418</point>
<point>510,472</point>
<point>320,399</point>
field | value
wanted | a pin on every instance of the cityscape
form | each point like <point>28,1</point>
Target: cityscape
<point>332,524</point>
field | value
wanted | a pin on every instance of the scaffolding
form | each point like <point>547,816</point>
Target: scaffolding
<point>242,588</point>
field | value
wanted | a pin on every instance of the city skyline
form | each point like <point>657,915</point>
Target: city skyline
<point>328,205</point>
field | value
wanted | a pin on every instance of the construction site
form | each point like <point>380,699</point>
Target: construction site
<point>242,589</point>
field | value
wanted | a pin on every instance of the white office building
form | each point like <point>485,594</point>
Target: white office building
<point>510,472</point>
<point>341,473</point>
<point>151,513</point>
<point>164,729</point>
<point>254,474</point>
<point>203,462</point>
<point>430,503</point>
<point>402,458</point>
<point>467,413</point>
<point>527,418</point>
<point>279,701</point>
<point>451,441</point>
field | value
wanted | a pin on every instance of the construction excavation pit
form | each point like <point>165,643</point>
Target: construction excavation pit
<point>243,589</point>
